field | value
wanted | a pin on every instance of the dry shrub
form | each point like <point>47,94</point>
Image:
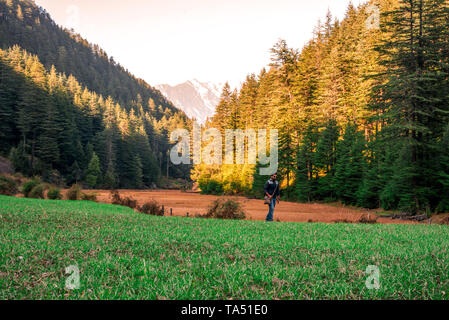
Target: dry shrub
<point>365,218</point>
<point>115,196</point>
<point>54,194</point>
<point>368,219</point>
<point>152,208</point>
<point>126,202</point>
<point>29,185</point>
<point>445,221</point>
<point>8,187</point>
<point>225,209</point>
<point>88,197</point>
<point>129,202</point>
<point>38,192</point>
<point>74,193</point>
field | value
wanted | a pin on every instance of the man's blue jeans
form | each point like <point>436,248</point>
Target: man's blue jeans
<point>271,210</point>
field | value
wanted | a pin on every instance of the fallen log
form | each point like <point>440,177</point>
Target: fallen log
<point>415,218</point>
<point>401,216</point>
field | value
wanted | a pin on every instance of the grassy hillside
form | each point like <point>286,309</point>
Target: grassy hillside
<point>125,255</point>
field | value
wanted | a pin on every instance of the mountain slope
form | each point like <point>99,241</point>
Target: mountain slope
<point>24,23</point>
<point>59,122</point>
<point>197,99</point>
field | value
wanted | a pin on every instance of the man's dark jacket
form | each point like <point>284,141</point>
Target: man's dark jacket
<point>270,187</point>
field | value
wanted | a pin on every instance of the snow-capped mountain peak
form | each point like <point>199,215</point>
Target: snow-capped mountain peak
<point>197,99</point>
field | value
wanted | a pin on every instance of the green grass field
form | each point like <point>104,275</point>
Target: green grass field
<point>126,255</point>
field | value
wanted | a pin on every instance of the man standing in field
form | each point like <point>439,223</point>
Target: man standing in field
<point>271,189</point>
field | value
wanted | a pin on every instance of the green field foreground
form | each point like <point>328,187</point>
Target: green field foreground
<point>126,255</point>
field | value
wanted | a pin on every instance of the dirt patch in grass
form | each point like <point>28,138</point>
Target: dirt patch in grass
<point>182,203</point>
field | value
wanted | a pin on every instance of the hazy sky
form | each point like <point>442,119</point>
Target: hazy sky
<point>171,41</point>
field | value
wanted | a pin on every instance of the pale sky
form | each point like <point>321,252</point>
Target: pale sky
<point>171,41</point>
